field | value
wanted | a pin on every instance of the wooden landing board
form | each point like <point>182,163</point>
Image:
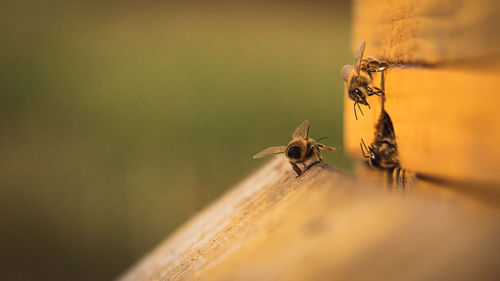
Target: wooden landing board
<point>442,93</point>
<point>327,225</point>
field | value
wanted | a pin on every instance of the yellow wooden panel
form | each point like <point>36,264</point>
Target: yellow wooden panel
<point>446,122</point>
<point>427,31</point>
<point>442,87</point>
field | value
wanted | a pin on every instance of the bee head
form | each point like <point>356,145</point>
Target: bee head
<point>374,157</point>
<point>358,95</point>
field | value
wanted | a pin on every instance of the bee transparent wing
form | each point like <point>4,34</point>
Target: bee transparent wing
<point>302,130</point>
<point>346,70</point>
<point>269,151</point>
<point>359,56</point>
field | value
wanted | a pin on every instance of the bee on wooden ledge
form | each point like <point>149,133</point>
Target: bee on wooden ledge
<point>299,150</point>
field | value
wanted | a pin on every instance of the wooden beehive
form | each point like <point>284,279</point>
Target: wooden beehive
<point>442,90</point>
<point>330,225</point>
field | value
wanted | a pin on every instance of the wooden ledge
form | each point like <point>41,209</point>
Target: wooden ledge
<point>328,225</point>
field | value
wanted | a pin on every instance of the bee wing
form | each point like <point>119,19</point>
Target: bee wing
<point>359,56</point>
<point>385,127</point>
<point>324,147</point>
<point>269,151</point>
<point>302,130</point>
<point>346,70</point>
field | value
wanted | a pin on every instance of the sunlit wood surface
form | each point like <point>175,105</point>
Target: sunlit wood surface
<point>427,31</point>
<point>328,225</point>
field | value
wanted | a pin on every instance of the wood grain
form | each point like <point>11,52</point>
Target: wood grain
<point>427,31</point>
<point>328,225</point>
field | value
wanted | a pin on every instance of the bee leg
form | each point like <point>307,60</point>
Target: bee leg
<point>310,165</point>
<point>317,153</point>
<point>379,92</point>
<point>398,175</point>
<point>375,67</point>
<point>402,175</point>
<point>296,169</point>
<point>322,146</point>
<point>304,167</point>
<point>404,179</point>
<point>382,85</point>
<point>359,107</point>
<point>382,81</point>
<point>369,71</point>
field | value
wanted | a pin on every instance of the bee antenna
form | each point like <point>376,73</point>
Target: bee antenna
<point>361,144</point>
<point>322,138</point>
<point>362,110</point>
<point>355,115</point>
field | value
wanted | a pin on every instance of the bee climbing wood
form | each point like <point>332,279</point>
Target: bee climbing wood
<point>359,79</point>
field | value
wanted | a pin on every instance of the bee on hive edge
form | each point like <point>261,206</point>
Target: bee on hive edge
<point>359,78</point>
<point>299,150</point>
<point>383,151</point>
<point>383,154</point>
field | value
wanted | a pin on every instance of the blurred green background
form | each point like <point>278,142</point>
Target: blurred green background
<point>119,120</point>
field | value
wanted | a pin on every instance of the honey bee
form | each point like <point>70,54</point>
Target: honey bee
<point>359,78</point>
<point>383,152</point>
<point>299,150</point>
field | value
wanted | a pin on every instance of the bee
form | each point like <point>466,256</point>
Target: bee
<point>383,154</point>
<point>359,78</point>
<point>383,151</point>
<point>299,150</point>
